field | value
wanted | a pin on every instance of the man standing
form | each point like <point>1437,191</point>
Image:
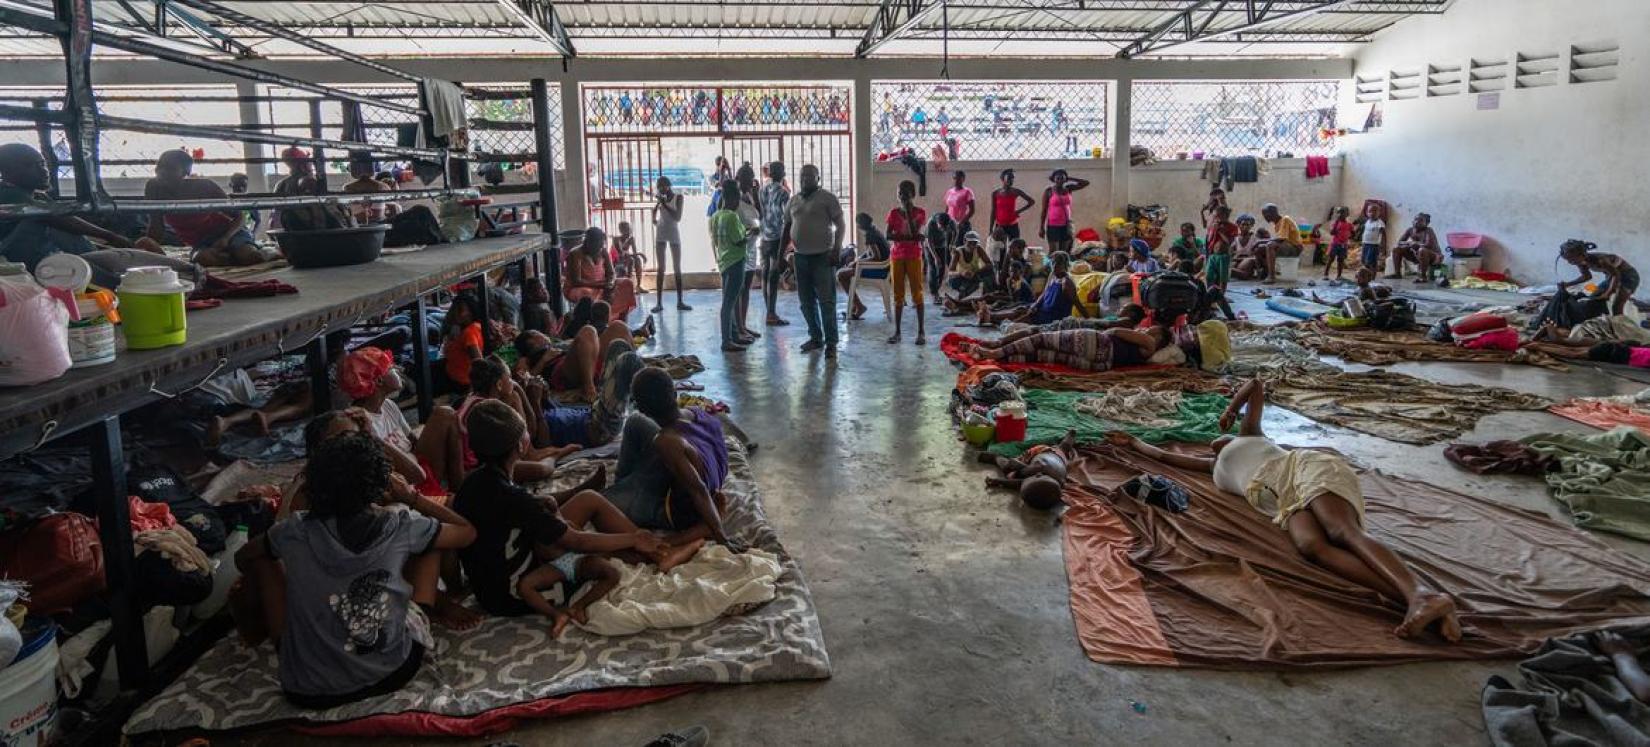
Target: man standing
<point>773,198</point>
<point>1285,241</point>
<point>813,221</point>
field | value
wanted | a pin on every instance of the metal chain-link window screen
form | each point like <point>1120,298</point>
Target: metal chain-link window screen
<point>651,111</point>
<point>1234,118</point>
<point>990,120</point>
<point>786,108</point>
<point>503,127</point>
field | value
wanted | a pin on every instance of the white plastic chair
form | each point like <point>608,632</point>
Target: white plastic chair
<point>882,283</point>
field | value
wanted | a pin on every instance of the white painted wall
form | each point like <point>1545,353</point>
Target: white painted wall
<point>1549,164</point>
<point>1091,206</point>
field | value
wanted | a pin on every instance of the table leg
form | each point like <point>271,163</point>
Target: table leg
<point>320,385</point>
<point>421,359</point>
<point>483,313</point>
<point>115,531</point>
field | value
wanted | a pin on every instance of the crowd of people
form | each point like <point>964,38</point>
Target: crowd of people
<point>682,108</point>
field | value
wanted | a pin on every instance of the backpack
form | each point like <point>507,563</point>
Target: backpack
<point>1158,491</point>
<point>1170,294</point>
<point>1392,314</point>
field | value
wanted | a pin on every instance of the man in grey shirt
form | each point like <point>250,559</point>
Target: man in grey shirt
<point>813,221</point>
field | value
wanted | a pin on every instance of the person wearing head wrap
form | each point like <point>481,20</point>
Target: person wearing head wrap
<point>427,458</point>
<point>1140,257</point>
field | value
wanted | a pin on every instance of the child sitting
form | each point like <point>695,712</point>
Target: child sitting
<point>627,262</point>
<point>1039,474</point>
<point>1187,247</point>
<point>219,239</point>
<point>337,581</point>
<point>551,529</point>
<point>1142,259</point>
<point>491,382</point>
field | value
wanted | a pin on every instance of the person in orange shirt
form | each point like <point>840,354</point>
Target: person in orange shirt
<point>905,224</point>
<point>464,342</point>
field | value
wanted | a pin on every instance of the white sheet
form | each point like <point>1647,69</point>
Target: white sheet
<point>693,593</point>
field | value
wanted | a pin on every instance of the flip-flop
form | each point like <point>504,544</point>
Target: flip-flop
<point>778,323</point>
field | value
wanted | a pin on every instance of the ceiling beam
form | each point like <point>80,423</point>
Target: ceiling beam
<point>304,40</point>
<point>1257,15</point>
<point>892,20</point>
<point>206,31</point>
<point>540,17</point>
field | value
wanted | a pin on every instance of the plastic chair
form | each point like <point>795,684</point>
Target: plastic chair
<point>882,283</point>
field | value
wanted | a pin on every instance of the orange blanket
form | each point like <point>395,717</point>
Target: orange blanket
<point>1603,415</point>
<point>1221,587</point>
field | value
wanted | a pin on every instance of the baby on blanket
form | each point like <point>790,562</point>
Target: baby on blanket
<point>1039,474</point>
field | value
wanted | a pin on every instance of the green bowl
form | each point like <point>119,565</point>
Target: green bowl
<point>978,435</point>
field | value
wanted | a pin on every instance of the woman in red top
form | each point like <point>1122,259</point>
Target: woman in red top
<point>219,239</point>
<point>1006,206</point>
<point>905,224</point>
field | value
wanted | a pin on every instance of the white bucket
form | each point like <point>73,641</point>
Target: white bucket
<point>1289,268</point>
<point>28,696</point>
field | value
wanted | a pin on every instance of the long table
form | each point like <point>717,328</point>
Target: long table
<point>239,333</point>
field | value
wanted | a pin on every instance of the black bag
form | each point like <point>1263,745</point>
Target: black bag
<point>1440,332</point>
<point>1158,491</point>
<point>1170,294</point>
<point>155,483</point>
<point>415,226</point>
<point>1392,314</point>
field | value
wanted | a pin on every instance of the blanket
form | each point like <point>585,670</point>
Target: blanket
<point>1604,478</point>
<point>1220,586</point>
<point>1378,348</point>
<point>476,681</point>
<point>694,593</point>
<point>1051,414</point>
<point>1394,406</point>
<point>1571,696</point>
<point>1604,414</point>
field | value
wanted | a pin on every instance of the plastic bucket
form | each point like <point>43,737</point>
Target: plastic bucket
<point>151,308</point>
<point>1010,429</point>
<point>92,336</point>
<point>28,690</point>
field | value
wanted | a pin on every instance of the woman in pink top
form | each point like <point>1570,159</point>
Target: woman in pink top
<point>1056,222</point>
<point>959,203</point>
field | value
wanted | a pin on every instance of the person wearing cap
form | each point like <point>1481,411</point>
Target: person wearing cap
<point>429,457</point>
<point>970,275</point>
<point>219,238</point>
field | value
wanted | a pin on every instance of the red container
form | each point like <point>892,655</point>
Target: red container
<point>1010,429</point>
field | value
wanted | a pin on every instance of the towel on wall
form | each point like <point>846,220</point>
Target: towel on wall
<point>1317,167</point>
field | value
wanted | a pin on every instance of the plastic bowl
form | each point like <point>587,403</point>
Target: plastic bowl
<point>979,435</point>
<point>1461,240</point>
<point>331,247</point>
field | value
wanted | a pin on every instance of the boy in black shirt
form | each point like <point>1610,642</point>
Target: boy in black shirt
<point>552,529</point>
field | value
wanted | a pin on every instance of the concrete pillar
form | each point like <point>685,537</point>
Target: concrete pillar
<point>252,118</point>
<point>1122,101</point>
<point>575,193</point>
<point>862,145</point>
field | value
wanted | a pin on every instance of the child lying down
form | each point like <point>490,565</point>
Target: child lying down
<point>1039,474</point>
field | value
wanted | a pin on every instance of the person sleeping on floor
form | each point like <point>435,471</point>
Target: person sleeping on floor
<point>509,576</point>
<point>345,585</point>
<point>1039,475</point>
<point>1082,349</point>
<point>1316,498</point>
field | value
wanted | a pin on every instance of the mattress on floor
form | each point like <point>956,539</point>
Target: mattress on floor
<point>509,662</point>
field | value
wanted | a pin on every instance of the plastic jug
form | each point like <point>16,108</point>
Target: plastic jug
<point>224,577</point>
<point>91,329</point>
<point>151,307</point>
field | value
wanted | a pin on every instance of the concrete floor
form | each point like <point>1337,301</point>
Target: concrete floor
<point>945,607</point>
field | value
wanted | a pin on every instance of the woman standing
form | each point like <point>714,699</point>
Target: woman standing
<point>667,234</point>
<point>941,235</point>
<point>1055,224</point>
<point>590,275</point>
<point>1006,206</point>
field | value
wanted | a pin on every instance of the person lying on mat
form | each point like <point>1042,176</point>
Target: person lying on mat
<point>1082,349</point>
<point>429,457</point>
<point>1316,498</point>
<point>672,464</point>
<point>1419,244</point>
<point>1058,301</point>
<point>490,380</point>
<point>553,530</point>
<point>218,238</point>
<point>1039,474</point>
<point>345,586</point>
<point>1129,317</point>
<point>594,424</point>
<point>1620,278</point>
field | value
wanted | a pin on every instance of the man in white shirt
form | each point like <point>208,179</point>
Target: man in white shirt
<point>813,222</point>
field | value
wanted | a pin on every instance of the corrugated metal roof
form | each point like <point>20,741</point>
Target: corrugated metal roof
<point>619,27</point>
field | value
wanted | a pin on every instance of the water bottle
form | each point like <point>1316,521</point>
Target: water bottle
<point>225,575</point>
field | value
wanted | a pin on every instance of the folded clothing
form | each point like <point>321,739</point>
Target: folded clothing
<point>215,287</point>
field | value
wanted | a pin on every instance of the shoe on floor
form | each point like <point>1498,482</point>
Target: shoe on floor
<point>733,347</point>
<point>812,345</point>
<point>693,736</point>
<point>830,352</point>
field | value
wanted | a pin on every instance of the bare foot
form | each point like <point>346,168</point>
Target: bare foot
<point>214,433</point>
<point>678,554</point>
<point>1430,607</point>
<point>580,615</point>
<point>560,624</point>
<point>453,616</point>
<point>260,423</point>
